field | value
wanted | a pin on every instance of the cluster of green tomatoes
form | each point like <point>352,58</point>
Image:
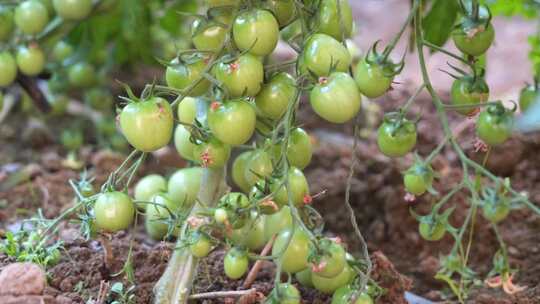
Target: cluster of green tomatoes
<point>25,50</point>
<point>233,97</point>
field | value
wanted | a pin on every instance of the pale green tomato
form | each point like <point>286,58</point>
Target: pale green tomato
<point>183,145</point>
<point>183,186</point>
<point>30,60</point>
<point>187,110</point>
<point>149,186</point>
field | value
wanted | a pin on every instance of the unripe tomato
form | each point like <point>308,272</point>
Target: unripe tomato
<point>336,98</point>
<point>221,215</point>
<point>285,293</point>
<point>232,122</point>
<point>235,263</point>
<point>30,60</point>
<point>242,77</point>
<point>6,23</point>
<point>183,186</point>
<point>180,75</point>
<point>495,125</point>
<point>284,10</point>
<point>207,36</point>
<point>187,110</point>
<point>299,148</point>
<point>396,139</point>
<point>72,139</point>
<point>218,3</point>
<point>201,246</point>
<point>304,278</point>
<point>61,51</point>
<point>292,30</point>
<point>99,99</point>
<point>295,256</point>
<point>298,187</point>
<point>495,211</point>
<point>183,144</point>
<point>330,285</point>
<point>321,52</point>
<point>81,75</point>
<point>114,211</point>
<point>149,186</point>
<point>276,95</point>
<point>372,79</point>
<point>432,231</point>
<point>258,167</point>
<point>527,97</point>
<point>418,179</point>
<point>467,90</point>
<point>328,19</point>
<point>73,9</point>
<point>251,235</point>
<point>256,31</point>
<point>50,7</point>
<point>239,169</point>
<point>212,154</point>
<point>31,17</point>
<point>344,295</point>
<point>475,41</point>
<point>333,261</point>
<point>277,222</point>
<point>8,66</point>
<point>233,203</point>
<point>156,215</point>
<point>148,124</point>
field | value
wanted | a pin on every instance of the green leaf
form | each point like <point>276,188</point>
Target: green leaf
<point>439,21</point>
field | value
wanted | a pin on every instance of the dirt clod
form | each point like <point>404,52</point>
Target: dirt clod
<point>20,279</point>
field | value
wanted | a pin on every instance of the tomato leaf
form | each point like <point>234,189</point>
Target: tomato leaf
<point>439,21</point>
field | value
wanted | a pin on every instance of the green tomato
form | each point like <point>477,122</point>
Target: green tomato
<point>294,29</point>
<point>235,263</point>
<point>220,215</point>
<point>61,51</point>
<point>298,185</point>
<point>6,23</point>
<point>345,295</point>
<point>418,179</point>
<point>187,110</point>
<point>180,75</point>
<point>527,97</point>
<point>232,122</point>
<point>81,75</point>
<point>30,60</point>
<point>72,139</point>
<point>239,169</point>
<point>333,261</point>
<point>299,149</point>
<point>330,285</point>
<point>156,216</point>
<point>99,99</point>
<point>201,246</point>
<point>328,19</point>
<point>494,125</point>
<point>466,91</point>
<point>114,211</point>
<point>212,154</point>
<point>474,42</point>
<point>321,52</point>
<point>183,144</point>
<point>277,222</point>
<point>184,185</point>
<point>242,77</point>
<point>276,95</point>
<point>495,211</point>
<point>147,125</point>
<point>207,36</point>
<point>49,5</point>
<point>304,278</point>
<point>372,79</point>
<point>106,126</point>
<point>251,235</point>
<point>432,231</point>
<point>8,66</point>
<point>31,17</point>
<point>149,186</point>
<point>259,166</point>
<point>285,293</point>
<point>256,31</point>
<point>218,3</point>
<point>295,256</point>
<point>73,9</point>
<point>396,140</point>
<point>336,98</point>
<point>284,10</point>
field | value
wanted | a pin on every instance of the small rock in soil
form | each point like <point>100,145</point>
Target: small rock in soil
<point>27,300</point>
<point>19,279</point>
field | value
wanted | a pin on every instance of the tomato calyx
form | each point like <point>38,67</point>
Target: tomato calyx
<point>477,19</point>
<point>389,68</point>
<point>399,124</point>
